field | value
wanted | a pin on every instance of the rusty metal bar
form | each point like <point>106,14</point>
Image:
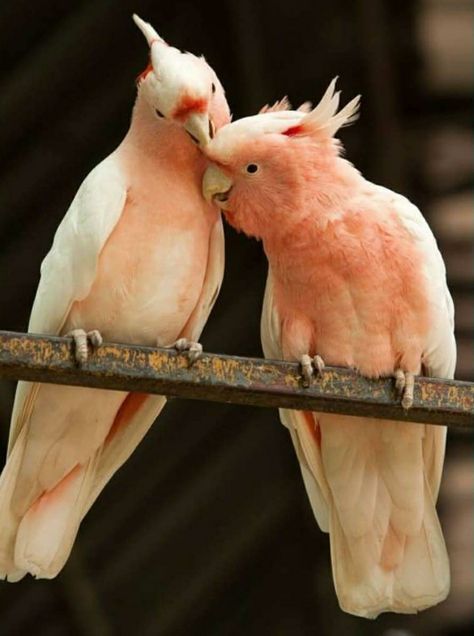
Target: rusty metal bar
<point>222,378</point>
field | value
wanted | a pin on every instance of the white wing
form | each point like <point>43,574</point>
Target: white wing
<point>68,271</point>
<point>300,425</point>
<point>212,283</point>
<point>439,359</point>
<point>270,328</point>
<point>440,349</point>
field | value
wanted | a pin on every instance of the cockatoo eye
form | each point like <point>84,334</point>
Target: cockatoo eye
<point>213,88</point>
<point>252,168</point>
<point>159,113</point>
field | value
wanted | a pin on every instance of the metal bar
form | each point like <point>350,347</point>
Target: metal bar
<point>222,378</point>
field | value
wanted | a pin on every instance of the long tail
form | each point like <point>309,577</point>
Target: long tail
<point>9,521</point>
<point>372,485</point>
<point>47,531</point>
<point>391,571</point>
<point>39,540</point>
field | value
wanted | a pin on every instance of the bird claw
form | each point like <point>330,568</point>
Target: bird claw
<point>318,362</point>
<point>194,349</point>
<point>81,339</point>
<point>309,366</point>
<point>405,385</point>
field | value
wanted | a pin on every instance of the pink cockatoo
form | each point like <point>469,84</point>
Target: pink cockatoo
<point>138,258</point>
<point>355,279</point>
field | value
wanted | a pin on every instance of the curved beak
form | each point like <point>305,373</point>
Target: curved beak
<point>216,185</point>
<point>200,128</point>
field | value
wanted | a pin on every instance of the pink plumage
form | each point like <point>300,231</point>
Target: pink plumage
<point>355,277</point>
<point>139,256</point>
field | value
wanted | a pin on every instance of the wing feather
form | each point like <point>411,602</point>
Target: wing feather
<point>212,283</point>
<point>439,358</point>
<point>302,426</point>
<point>68,271</point>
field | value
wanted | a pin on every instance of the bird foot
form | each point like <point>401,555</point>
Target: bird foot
<point>310,367</point>
<point>194,349</point>
<point>405,385</point>
<point>81,338</point>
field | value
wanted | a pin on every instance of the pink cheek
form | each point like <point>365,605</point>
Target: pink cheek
<point>237,211</point>
<point>232,208</point>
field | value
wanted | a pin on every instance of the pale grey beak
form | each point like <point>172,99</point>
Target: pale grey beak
<point>216,185</point>
<point>200,128</point>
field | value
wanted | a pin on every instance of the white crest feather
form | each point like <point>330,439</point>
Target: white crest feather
<point>285,104</point>
<point>282,104</point>
<point>325,116</point>
<point>305,107</point>
<point>148,31</point>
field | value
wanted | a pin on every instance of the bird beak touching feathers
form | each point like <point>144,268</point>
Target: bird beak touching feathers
<point>216,185</point>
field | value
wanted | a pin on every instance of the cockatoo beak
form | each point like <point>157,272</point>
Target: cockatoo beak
<point>216,185</point>
<point>200,128</point>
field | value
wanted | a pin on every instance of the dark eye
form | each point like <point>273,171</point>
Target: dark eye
<point>252,168</point>
<point>159,113</point>
<point>213,88</point>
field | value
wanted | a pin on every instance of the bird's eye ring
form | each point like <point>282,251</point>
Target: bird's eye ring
<point>252,168</point>
<point>159,113</point>
<point>213,88</point>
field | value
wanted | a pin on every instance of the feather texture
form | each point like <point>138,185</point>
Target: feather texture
<point>139,256</point>
<point>356,277</point>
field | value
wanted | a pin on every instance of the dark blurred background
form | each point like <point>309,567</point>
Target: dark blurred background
<point>207,530</point>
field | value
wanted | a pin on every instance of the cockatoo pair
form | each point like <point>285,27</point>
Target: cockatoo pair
<point>355,279</point>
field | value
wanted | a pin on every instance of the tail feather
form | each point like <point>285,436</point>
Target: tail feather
<point>424,578</point>
<point>410,574</point>
<point>373,478</point>
<point>302,431</point>
<point>47,531</point>
<point>9,520</point>
<point>39,538</point>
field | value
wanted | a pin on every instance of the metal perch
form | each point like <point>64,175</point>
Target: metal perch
<point>222,378</point>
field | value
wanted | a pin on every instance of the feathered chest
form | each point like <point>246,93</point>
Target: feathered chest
<point>363,270</point>
<point>151,270</point>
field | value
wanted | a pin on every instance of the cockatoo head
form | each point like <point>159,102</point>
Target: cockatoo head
<point>267,167</point>
<point>182,88</point>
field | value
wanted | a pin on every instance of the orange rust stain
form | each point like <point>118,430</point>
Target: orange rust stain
<point>224,370</point>
<point>132,403</point>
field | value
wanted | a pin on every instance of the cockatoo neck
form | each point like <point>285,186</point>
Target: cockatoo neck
<point>160,139</point>
<point>313,212</point>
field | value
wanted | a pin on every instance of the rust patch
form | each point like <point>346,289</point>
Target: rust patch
<point>222,378</point>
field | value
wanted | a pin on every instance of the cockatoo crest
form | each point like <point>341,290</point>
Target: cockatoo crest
<point>324,120</point>
<point>178,85</point>
<point>325,116</point>
<point>284,104</point>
